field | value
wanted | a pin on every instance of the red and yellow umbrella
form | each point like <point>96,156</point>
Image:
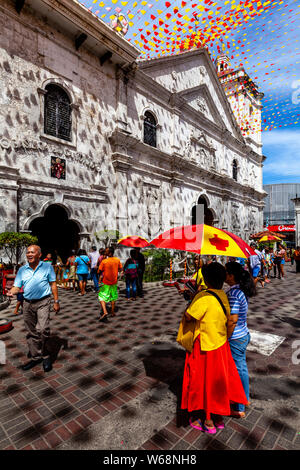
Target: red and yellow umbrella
<point>134,241</point>
<point>205,240</point>
<point>268,233</point>
<point>269,238</point>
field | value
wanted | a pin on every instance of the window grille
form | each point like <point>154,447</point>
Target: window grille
<point>149,129</point>
<point>57,113</point>
<point>234,170</point>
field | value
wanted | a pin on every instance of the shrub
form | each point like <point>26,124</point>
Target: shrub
<point>14,243</point>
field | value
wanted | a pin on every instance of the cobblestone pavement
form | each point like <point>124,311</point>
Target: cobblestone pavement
<point>118,385</point>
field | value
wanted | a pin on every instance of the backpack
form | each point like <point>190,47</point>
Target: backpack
<point>131,271</point>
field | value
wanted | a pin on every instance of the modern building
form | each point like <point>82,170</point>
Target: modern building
<point>93,139</point>
<point>279,211</point>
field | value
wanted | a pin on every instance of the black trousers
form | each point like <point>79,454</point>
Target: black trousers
<point>140,283</point>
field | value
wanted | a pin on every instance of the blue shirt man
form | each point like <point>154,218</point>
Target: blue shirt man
<point>36,282</point>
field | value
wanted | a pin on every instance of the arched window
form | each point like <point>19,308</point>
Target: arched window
<point>149,129</point>
<point>201,214</point>
<point>234,170</point>
<point>57,116</point>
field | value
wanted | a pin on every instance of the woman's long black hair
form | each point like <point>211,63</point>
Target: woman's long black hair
<point>242,277</point>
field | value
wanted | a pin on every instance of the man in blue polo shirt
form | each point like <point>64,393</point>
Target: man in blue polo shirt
<point>39,281</point>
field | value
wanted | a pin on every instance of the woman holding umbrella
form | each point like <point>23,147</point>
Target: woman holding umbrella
<point>211,380</point>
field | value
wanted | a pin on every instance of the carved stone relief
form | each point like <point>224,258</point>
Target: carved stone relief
<point>202,105</point>
<point>174,85</point>
<point>235,217</point>
<point>26,146</point>
<point>252,221</point>
<point>204,150</point>
<point>153,201</point>
<point>202,72</point>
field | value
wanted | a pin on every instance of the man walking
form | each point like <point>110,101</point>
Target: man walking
<point>94,257</point>
<point>108,292</point>
<point>297,259</point>
<point>38,281</point>
<point>141,269</point>
<point>255,265</point>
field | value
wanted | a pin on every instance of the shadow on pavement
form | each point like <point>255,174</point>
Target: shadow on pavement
<point>165,363</point>
<point>54,345</point>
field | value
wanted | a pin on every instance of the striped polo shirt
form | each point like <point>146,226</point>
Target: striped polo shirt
<point>238,306</point>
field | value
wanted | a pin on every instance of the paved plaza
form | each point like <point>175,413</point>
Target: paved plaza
<point>117,385</point>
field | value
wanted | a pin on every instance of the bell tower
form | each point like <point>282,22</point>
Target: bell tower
<point>244,98</point>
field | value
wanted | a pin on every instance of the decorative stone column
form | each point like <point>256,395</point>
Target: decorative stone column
<point>296,201</point>
<point>9,199</point>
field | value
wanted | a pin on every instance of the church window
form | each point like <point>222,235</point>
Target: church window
<point>234,170</point>
<point>57,121</point>
<point>150,129</point>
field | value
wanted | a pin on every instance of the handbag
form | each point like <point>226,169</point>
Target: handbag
<point>185,336</point>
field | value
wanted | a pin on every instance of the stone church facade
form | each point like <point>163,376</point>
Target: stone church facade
<point>100,140</point>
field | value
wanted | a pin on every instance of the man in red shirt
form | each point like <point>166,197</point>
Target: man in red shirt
<point>108,292</point>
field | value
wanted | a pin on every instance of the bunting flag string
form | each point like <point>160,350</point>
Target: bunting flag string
<point>259,36</point>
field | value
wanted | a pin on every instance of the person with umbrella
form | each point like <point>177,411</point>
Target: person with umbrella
<point>137,242</point>
<point>141,269</point>
<point>211,380</point>
<point>131,274</point>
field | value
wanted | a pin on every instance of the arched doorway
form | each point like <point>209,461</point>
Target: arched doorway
<point>208,214</point>
<point>55,232</point>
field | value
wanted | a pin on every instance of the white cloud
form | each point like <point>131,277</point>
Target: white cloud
<point>282,149</point>
<point>279,137</point>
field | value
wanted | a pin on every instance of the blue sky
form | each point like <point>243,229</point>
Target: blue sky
<point>268,47</point>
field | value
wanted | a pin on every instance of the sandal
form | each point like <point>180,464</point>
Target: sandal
<point>195,426</point>
<point>209,430</point>
<point>104,318</point>
<point>220,425</point>
<point>238,414</point>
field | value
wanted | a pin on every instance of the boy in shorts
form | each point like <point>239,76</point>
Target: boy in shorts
<point>108,292</point>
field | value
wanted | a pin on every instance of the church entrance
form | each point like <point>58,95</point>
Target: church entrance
<point>208,215</point>
<point>56,233</point>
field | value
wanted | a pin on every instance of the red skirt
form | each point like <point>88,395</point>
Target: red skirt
<point>211,381</point>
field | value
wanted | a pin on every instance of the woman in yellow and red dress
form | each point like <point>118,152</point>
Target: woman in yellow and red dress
<point>211,380</point>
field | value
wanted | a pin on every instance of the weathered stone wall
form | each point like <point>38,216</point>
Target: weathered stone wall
<point>33,54</point>
<point>113,180</point>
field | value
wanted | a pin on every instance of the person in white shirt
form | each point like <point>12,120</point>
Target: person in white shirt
<point>94,256</point>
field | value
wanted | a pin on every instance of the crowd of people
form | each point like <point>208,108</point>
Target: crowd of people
<point>101,267</point>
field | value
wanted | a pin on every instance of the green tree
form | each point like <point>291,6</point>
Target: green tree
<point>108,237</point>
<point>13,244</point>
<point>158,261</point>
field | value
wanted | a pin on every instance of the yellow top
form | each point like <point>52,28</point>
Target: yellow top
<point>211,322</point>
<point>199,278</point>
